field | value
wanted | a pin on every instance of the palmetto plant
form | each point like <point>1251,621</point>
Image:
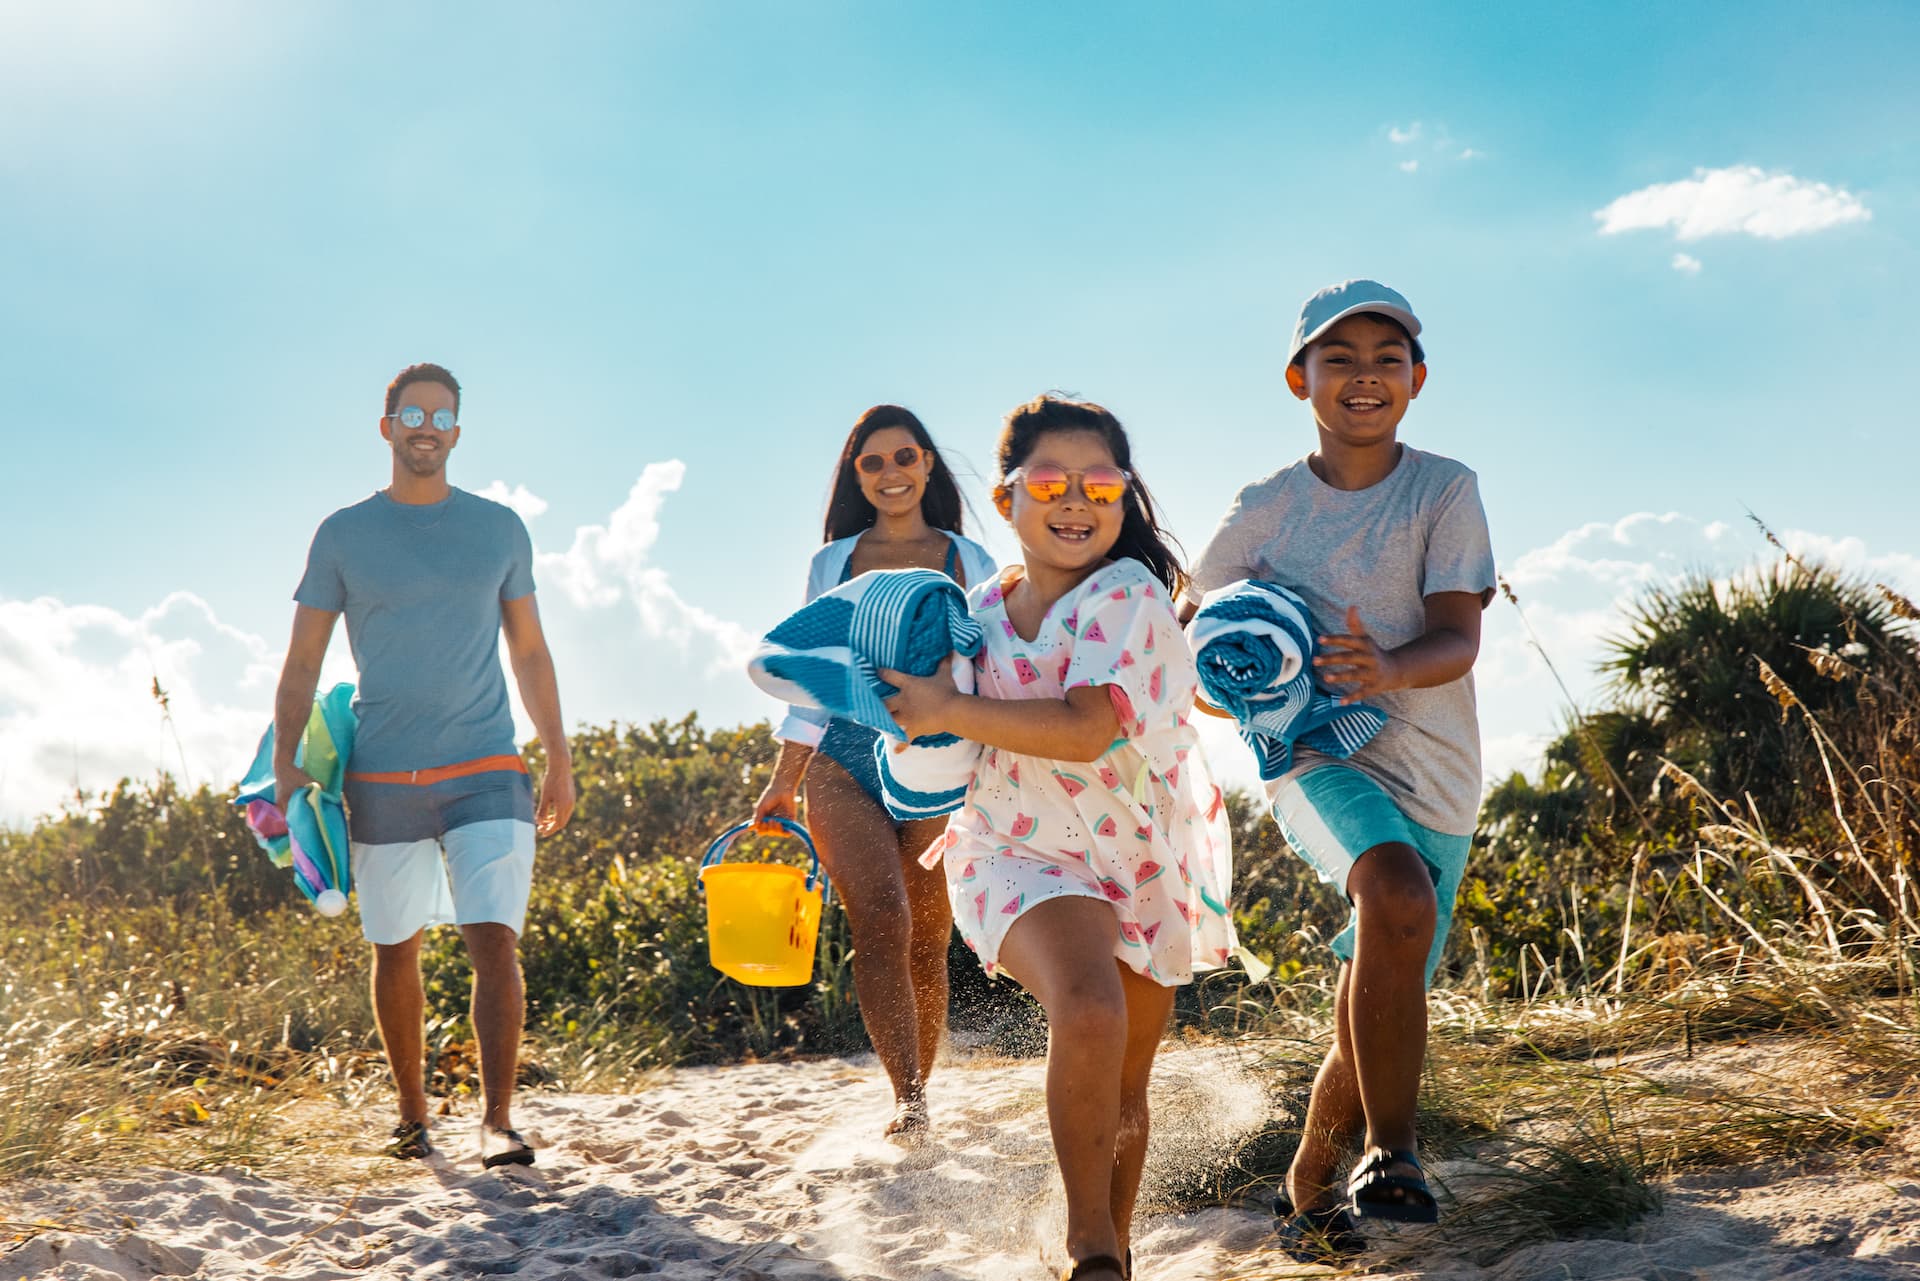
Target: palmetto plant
<point>1688,670</point>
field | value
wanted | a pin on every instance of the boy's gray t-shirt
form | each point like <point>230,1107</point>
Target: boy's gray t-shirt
<point>1383,550</point>
<point>421,588</point>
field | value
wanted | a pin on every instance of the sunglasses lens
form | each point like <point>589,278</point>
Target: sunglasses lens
<point>906,456</point>
<point>443,420</point>
<point>1103,486</point>
<point>871,464</point>
<point>411,416</point>
<point>1046,483</point>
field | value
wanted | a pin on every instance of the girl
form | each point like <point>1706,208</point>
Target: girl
<point>893,505</point>
<point>1091,860</point>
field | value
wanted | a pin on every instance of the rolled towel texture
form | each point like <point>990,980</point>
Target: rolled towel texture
<point>1253,644</point>
<point>829,653</point>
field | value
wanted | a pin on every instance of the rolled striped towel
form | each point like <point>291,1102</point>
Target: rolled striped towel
<point>923,780</point>
<point>1253,644</point>
<point>829,652</point>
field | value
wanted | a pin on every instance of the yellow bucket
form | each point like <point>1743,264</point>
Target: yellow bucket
<point>763,919</point>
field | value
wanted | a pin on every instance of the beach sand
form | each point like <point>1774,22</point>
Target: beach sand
<point>776,1172</point>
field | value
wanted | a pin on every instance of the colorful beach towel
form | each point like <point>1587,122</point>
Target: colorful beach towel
<point>829,652</point>
<point>1253,644</point>
<point>311,837</point>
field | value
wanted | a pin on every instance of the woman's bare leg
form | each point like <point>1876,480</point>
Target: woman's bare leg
<point>861,850</point>
<point>932,914</point>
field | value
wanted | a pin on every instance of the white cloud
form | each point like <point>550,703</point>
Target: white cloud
<point>1470,153</point>
<point>523,501</point>
<point>1898,570</point>
<point>1409,166</point>
<point>1740,199</point>
<point>77,703</point>
<point>1686,264</point>
<point>610,563</point>
<point>1401,137</point>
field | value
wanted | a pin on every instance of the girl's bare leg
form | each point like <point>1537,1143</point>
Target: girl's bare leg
<point>1149,1005</point>
<point>1061,950</point>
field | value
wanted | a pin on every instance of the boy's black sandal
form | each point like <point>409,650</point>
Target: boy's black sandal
<point>1092,1264</point>
<point>1396,1198</point>
<point>1316,1236</point>
<point>409,1142</point>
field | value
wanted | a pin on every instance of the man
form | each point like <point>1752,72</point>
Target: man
<point>441,812</point>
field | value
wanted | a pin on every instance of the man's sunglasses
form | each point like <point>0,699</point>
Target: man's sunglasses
<point>412,417</point>
<point>875,463</point>
<point>1103,486</point>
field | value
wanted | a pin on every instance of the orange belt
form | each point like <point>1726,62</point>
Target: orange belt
<point>441,773</point>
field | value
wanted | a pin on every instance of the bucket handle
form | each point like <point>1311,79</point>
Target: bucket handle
<point>723,842</point>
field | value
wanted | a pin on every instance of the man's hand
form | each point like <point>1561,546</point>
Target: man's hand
<point>555,806</point>
<point>1355,665</point>
<point>288,779</point>
<point>921,705</point>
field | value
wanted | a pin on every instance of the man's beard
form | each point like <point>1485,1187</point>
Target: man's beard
<point>430,464</point>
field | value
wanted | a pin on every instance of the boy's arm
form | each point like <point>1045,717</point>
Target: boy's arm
<point>1358,668</point>
<point>1079,727</point>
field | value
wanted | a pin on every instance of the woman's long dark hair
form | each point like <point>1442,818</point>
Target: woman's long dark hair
<point>849,512</point>
<point>1141,536</point>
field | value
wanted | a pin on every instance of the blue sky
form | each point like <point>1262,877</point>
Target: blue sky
<point>1665,255</point>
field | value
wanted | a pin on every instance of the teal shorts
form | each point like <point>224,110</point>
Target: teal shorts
<point>1333,814</point>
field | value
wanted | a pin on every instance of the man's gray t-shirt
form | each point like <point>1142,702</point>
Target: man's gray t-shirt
<point>1382,550</point>
<point>421,587</point>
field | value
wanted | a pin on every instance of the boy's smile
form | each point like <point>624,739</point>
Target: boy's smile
<point>1359,377</point>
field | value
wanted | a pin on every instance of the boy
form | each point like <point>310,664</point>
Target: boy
<point>1389,544</point>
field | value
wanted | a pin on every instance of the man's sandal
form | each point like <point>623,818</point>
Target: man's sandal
<point>1094,1263</point>
<point>409,1142</point>
<point>1323,1236</point>
<point>1396,1198</point>
<point>503,1147</point>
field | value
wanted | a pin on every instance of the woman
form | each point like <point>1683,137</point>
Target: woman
<point>893,505</point>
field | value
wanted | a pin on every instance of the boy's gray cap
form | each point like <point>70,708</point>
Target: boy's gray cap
<point>1350,297</point>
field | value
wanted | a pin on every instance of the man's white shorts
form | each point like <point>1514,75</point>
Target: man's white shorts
<point>481,872</point>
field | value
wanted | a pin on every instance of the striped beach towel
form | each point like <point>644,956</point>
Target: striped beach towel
<point>1253,643</point>
<point>926,781</point>
<point>829,653</point>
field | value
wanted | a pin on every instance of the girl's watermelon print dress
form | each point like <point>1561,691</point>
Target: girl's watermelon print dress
<point>1143,827</point>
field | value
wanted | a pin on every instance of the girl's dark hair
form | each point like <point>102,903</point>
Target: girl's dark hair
<point>849,512</point>
<point>1141,536</point>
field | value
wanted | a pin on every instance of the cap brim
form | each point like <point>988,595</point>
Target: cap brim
<point>1408,321</point>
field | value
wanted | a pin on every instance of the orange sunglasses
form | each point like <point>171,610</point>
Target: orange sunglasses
<point>1103,486</point>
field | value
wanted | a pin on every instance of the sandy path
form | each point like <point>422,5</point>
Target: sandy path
<point>776,1173</point>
